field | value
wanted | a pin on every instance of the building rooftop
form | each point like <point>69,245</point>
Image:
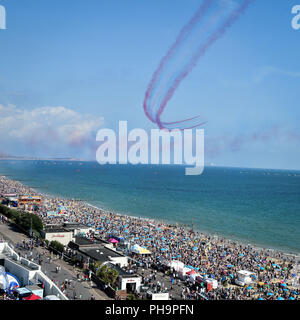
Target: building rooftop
<point>72,225</point>
<point>55,229</point>
<point>100,253</point>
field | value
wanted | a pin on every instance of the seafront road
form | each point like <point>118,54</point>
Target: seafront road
<point>82,289</point>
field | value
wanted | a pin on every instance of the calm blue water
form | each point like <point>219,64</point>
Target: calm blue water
<point>256,206</point>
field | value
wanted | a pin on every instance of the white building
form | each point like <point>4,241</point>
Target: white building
<point>130,283</point>
<point>29,273</point>
<point>59,234</point>
<point>244,277</point>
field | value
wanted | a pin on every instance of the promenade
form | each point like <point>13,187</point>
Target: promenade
<point>207,255</point>
<point>83,290</point>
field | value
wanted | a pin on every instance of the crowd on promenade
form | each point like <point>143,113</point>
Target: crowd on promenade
<point>210,256</point>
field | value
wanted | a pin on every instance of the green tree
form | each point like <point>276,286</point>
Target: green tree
<point>56,245</point>
<point>23,219</point>
<point>107,274</point>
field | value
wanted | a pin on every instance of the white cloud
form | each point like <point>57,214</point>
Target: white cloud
<point>47,131</point>
<point>267,71</point>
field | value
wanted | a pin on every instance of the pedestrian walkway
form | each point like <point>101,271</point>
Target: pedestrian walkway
<point>75,289</point>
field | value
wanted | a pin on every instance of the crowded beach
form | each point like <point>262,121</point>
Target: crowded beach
<point>273,273</point>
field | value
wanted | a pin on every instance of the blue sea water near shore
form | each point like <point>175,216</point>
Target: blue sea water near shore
<point>257,206</point>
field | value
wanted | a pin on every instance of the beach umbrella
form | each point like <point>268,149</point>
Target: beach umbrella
<point>261,299</point>
<point>195,248</point>
<point>280,298</point>
<point>241,255</point>
<point>262,268</point>
<point>285,290</point>
<point>269,293</point>
<point>283,284</point>
<point>163,249</point>
<point>190,267</point>
<point>291,298</point>
<point>163,239</point>
<point>230,266</point>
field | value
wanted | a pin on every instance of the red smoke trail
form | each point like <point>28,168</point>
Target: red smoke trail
<point>181,37</point>
<point>201,51</point>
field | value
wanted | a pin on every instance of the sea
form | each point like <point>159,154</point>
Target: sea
<point>260,207</point>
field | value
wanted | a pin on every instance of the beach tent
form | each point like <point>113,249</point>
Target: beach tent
<point>139,250</point>
<point>183,271</point>
<point>212,282</point>
<point>32,297</point>
<point>13,281</point>
<point>176,265</point>
<point>145,251</point>
<point>191,272</point>
<point>8,282</point>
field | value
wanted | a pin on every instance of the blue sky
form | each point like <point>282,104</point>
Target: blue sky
<point>95,58</point>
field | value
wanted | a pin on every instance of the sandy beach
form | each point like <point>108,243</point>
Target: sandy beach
<point>209,255</point>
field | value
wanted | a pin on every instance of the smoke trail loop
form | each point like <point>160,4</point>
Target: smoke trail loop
<point>209,23</point>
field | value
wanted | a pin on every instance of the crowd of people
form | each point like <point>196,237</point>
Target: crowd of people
<point>210,256</point>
